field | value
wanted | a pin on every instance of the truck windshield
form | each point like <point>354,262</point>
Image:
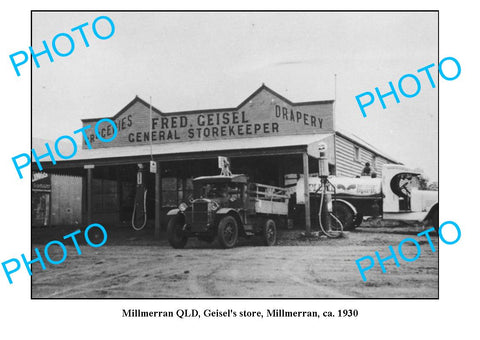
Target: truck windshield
<point>217,190</point>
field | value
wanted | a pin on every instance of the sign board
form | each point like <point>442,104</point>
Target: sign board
<point>263,114</point>
<point>153,167</point>
<point>41,182</point>
<point>224,165</point>
<point>223,162</point>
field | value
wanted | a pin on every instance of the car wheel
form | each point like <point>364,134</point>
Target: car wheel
<point>269,233</point>
<point>227,232</point>
<point>175,234</point>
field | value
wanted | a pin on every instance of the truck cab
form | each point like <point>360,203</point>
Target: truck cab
<point>403,199</point>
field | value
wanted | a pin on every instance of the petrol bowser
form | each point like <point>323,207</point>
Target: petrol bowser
<point>139,215</point>
<point>321,187</point>
<point>330,224</point>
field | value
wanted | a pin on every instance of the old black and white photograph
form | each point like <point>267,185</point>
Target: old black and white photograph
<point>235,154</point>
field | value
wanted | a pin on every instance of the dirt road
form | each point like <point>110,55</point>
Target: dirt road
<point>321,268</point>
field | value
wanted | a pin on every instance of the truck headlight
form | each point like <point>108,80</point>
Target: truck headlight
<point>213,206</point>
<point>183,206</point>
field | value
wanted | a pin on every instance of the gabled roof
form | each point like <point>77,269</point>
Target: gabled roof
<point>137,99</point>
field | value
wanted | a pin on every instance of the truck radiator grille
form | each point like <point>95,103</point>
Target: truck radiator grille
<point>200,214</point>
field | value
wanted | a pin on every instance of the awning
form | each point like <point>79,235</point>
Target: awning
<point>263,146</point>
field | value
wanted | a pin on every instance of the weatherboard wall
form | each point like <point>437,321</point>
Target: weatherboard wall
<point>348,165</point>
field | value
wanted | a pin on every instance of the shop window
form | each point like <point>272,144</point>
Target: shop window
<point>169,192</point>
<point>188,192</point>
<point>176,191</point>
<point>180,185</point>
<point>356,153</point>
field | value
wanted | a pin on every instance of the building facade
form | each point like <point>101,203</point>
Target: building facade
<point>267,137</point>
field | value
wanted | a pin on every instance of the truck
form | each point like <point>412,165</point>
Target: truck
<point>395,196</point>
<point>225,207</point>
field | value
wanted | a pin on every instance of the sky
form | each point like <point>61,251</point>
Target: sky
<point>190,61</point>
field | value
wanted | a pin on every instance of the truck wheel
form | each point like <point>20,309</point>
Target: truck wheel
<point>345,214</point>
<point>175,234</point>
<point>358,220</point>
<point>269,233</point>
<point>227,232</point>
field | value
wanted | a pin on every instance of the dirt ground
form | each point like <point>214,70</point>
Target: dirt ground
<point>132,265</point>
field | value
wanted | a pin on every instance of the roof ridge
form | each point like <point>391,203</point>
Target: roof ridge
<point>245,101</point>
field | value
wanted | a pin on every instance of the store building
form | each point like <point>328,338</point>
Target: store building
<point>56,199</point>
<point>267,137</point>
